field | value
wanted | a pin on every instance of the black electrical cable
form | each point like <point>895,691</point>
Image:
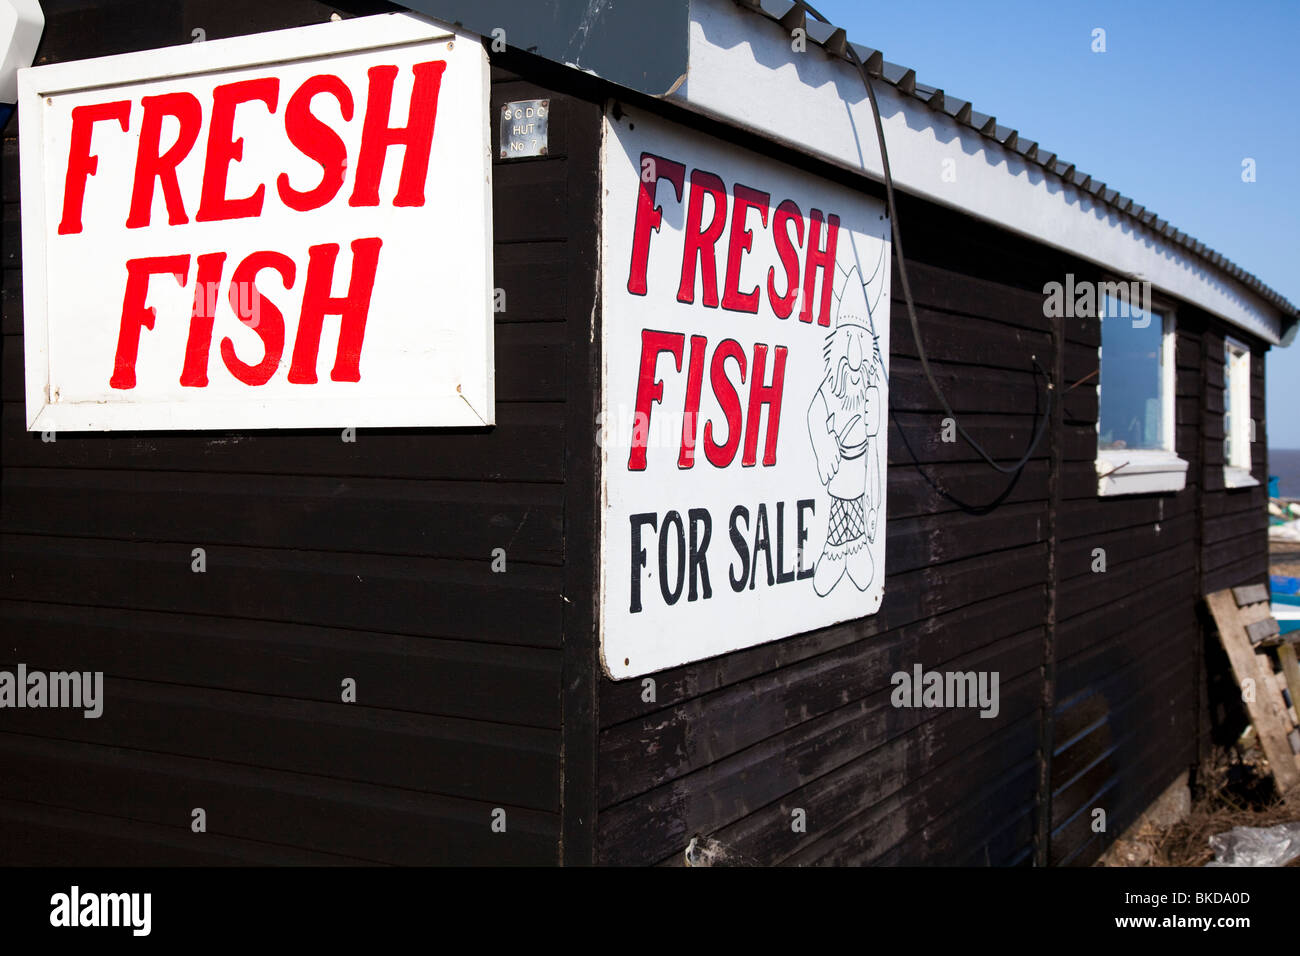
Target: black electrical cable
<point>907,291</point>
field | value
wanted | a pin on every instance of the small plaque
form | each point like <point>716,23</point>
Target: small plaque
<point>523,128</point>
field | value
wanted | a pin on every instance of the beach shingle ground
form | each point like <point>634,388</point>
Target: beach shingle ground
<point>1284,558</point>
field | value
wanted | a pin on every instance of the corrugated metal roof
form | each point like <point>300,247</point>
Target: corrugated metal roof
<point>790,15</point>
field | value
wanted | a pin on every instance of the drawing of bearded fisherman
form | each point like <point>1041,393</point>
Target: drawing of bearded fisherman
<point>844,417</point>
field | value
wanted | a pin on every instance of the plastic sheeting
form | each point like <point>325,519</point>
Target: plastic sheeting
<point>1256,846</point>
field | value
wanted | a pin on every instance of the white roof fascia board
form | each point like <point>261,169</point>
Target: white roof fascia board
<point>743,71</point>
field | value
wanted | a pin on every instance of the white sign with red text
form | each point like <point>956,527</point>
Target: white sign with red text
<point>745,336</point>
<point>284,230</point>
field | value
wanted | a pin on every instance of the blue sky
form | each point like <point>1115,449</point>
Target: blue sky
<point>1184,92</point>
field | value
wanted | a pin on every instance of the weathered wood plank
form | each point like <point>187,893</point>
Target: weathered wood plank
<point>930,489</point>
<point>1109,742</point>
<point>1265,708</point>
<point>988,831</point>
<point>494,763</point>
<point>929,540</point>
<point>396,594</point>
<point>1236,549</point>
<point>949,338</point>
<point>525,445</point>
<point>1090,593</point>
<point>465,520</point>
<point>942,289</point>
<point>1261,630</point>
<point>1254,612</point>
<point>1249,594</point>
<point>1122,550</point>
<point>1252,567</point>
<point>920,437</point>
<point>452,678</point>
<point>1079,631</point>
<point>1075,844</point>
<point>1095,663</point>
<point>40,836</point>
<point>968,389</point>
<point>339,817</point>
<point>817,687</point>
<point>1286,656</point>
<point>920,597</point>
<point>937,825</point>
<point>842,800</point>
<point>855,837</point>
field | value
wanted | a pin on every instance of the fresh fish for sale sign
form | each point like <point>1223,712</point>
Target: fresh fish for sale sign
<point>282,230</point>
<point>745,347</point>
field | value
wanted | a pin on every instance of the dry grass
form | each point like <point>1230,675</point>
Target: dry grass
<point>1239,793</point>
<point>1187,843</point>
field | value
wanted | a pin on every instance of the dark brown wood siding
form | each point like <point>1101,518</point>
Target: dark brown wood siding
<point>1126,689</point>
<point>326,560</point>
<point>734,745</point>
<point>371,560</point>
<point>1233,521</point>
<point>1235,518</point>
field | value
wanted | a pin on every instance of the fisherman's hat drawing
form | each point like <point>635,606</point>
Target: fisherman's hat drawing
<point>852,309</point>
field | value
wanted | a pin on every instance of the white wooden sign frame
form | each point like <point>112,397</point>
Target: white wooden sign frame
<point>427,354</point>
<point>709,545</point>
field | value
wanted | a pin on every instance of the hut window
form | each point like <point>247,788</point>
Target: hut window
<point>1136,451</point>
<point>1238,425</point>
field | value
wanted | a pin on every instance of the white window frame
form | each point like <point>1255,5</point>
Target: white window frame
<point>1125,471</point>
<point>1236,390</point>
